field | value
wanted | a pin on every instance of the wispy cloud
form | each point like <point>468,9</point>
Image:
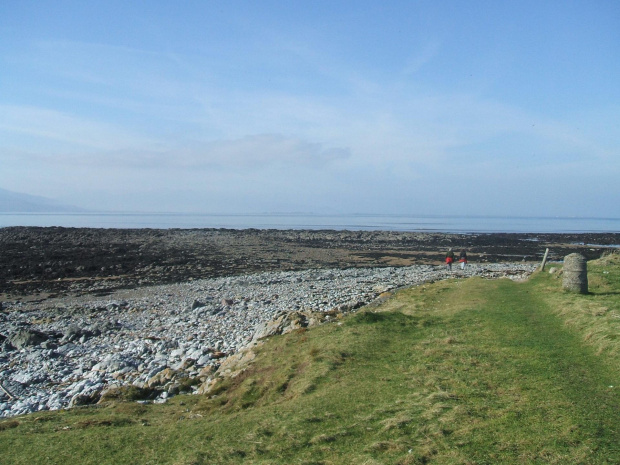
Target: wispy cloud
<point>74,131</point>
<point>422,56</point>
<point>100,146</point>
<point>255,152</point>
<point>263,150</point>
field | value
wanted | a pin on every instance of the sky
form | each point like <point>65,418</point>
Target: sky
<point>401,107</point>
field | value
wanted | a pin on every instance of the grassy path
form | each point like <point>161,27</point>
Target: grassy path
<point>497,377</point>
<point>550,393</point>
<point>461,372</point>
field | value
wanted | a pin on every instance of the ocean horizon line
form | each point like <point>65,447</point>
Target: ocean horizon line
<point>302,214</point>
<point>461,224</point>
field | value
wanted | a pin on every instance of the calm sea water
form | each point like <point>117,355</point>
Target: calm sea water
<point>461,224</point>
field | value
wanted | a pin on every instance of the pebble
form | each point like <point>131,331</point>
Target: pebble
<point>86,345</point>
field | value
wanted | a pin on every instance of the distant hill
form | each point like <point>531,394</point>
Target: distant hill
<point>14,202</point>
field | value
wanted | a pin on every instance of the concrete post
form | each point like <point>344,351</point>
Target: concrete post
<point>575,273</point>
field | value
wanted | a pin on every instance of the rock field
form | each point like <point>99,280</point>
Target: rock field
<point>157,341</point>
<point>83,260</point>
<point>87,315</point>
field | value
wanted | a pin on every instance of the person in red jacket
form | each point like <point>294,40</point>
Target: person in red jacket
<point>449,259</point>
<point>463,259</point>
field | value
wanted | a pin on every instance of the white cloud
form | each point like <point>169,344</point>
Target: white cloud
<point>74,131</point>
<point>263,150</point>
<point>106,150</point>
<point>253,152</point>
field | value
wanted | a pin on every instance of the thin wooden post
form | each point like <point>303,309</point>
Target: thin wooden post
<point>542,265</point>
<point>12,397</point>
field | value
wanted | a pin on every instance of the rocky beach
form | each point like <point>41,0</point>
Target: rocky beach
<point>89,313</point>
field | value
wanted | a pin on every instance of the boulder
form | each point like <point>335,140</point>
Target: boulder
<point>28,378</point>
<point>230,367</point>
<point>218,354</point>
<point>205,372</point>
<point>207,386</point>
<point>203,360</point>
<point>162,378</point>
<point>104,327</point>
<point>177,353</point>
<point>196,304</point>
<point>74,333</point>
<point>126,392</point>
<point>184,364</point>
<point>287,322</point>
<point>25,337</point>
<point>50,345</point>
<point>236,363</point>
<point>85,399</point>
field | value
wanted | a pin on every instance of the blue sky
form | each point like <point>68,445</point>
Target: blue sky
<point>476,108</point>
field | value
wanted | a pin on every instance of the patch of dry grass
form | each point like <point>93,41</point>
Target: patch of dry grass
<point>596,315</point>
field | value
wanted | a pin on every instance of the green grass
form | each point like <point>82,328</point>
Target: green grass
<point>457,372</point>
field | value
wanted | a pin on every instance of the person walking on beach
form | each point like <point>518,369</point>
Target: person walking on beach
<point>449,259</point>
<point>463,259</point>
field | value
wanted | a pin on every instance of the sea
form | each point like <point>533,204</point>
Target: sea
<point>352,222</point>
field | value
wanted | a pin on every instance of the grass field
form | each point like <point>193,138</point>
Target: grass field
<point>455,372</point>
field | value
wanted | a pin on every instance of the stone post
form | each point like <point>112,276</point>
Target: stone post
<point>575,273</point>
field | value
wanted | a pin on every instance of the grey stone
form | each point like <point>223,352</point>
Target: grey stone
<point>155,370</point>
<point>196,304</point>
<point>84,399</point>
<point>203,360</point>
<point>25,338</point>
<point>177,353</point>
<point>28,378</point>
<point>50,345</point>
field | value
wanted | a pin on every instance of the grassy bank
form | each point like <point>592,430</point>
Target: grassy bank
<point>470,372</point>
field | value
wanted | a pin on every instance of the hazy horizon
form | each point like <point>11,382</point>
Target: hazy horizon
<point>49,206</point>
<point>479,109</point>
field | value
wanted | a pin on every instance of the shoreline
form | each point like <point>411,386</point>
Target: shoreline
<point>68,351</point>
<point>42,261</point>
<point>83,310</point>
